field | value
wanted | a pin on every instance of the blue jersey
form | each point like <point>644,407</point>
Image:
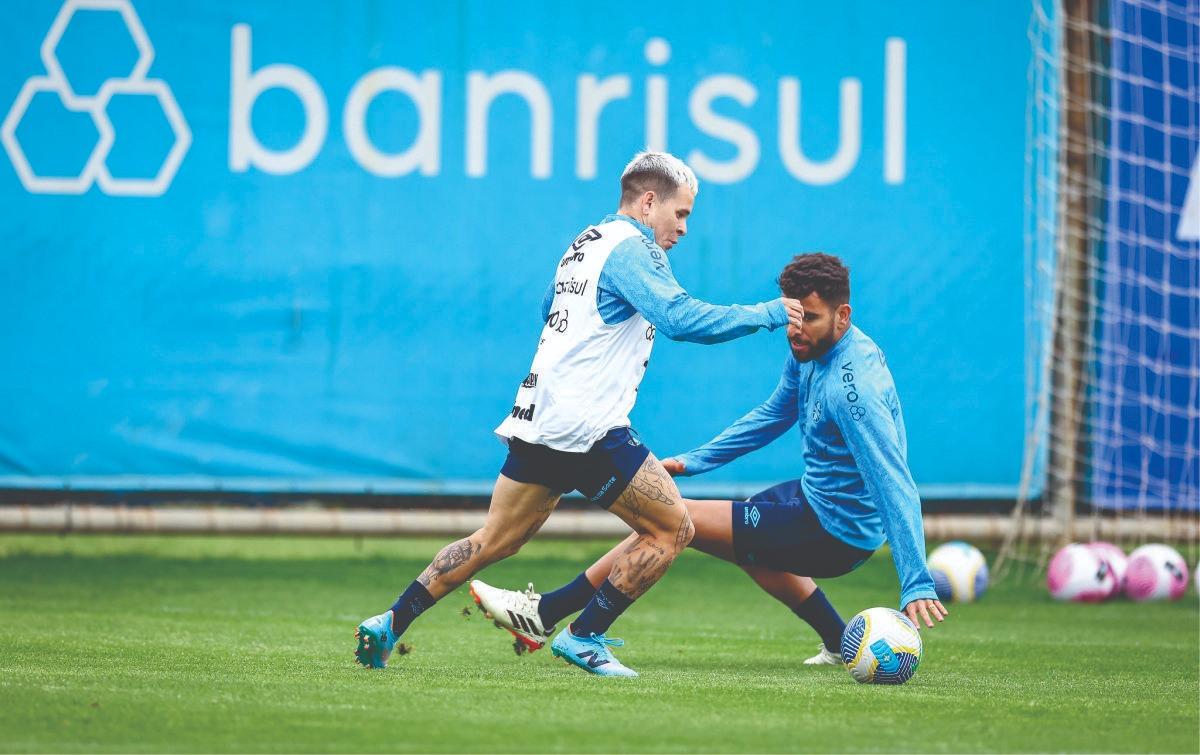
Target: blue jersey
<point>637,278</point>
<point>856,474</point>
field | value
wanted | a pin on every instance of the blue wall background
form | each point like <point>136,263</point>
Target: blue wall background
<point>334,330</point>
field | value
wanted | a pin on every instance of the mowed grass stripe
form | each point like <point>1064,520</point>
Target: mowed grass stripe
<point>171,644</point>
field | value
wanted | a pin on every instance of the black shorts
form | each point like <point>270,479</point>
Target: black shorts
<point>601,473</point>
<point>779,530</point>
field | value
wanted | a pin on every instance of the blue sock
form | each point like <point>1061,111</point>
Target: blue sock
<point>413,602</point>
<point>564,601</point>
<point>602,610</point>
<point>821,616</point>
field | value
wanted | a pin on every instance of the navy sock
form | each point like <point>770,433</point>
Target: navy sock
<point>602,610</point>
<point>413,602</point>
<point>821,616</point>
<point>564,601</point>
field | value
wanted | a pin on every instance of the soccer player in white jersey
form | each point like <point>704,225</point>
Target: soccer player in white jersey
<point>855,492</point>
<point>568,429</point>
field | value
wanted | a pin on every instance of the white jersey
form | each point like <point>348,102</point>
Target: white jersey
<point>585,375</point>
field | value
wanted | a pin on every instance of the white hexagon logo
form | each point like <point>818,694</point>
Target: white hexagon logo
<point>96,171</point>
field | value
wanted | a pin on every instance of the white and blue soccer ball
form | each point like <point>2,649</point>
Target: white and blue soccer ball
<point>881,646</point>
<point>959,571</point>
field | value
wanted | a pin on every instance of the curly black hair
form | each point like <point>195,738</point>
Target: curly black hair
<point>818,273</point>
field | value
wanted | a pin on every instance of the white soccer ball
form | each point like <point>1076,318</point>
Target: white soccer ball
<point>1077,573</point>
<point>881,646</point>
<point>1156,572</point>
<point>959,572</point>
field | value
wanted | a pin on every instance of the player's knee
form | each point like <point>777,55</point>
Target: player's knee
<point>673,534</point>
<point>685,534</point>
<point>499,546</point>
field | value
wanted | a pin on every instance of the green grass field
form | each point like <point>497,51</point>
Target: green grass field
<point>137,644</point>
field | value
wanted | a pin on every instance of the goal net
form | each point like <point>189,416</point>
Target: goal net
<point>1112,274</point>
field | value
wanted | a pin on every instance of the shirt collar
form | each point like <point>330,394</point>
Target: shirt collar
<point>839,347</point>
<point>647,231</point>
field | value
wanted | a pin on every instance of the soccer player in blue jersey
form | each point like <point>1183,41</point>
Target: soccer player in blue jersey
<point>612,291</point>
<point>855,493</point>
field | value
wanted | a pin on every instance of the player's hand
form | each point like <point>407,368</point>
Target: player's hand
<point>795,312</point>
<point>674,467</point>
<point>923,607</point>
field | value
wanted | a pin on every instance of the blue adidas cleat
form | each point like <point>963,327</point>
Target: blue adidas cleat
<point>591,654</point>
<point>375,641</point>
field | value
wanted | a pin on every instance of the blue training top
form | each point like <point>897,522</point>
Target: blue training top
<point>856,474</point>
<point>637,278</point>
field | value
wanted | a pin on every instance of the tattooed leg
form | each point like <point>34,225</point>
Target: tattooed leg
<point>713,535</point>
<point>517,511</point>
<point>449,560</point>
<point>662,528</point>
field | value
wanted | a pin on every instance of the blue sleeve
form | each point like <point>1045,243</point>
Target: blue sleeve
<point>637,270</point>
<point>870,431</point>
<point>760,426</point>
<point>548,301</point>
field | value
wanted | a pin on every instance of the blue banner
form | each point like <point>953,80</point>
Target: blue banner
<point>302,246</point>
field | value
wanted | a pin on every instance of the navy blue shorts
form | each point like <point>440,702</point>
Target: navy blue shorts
<point>779,530</point>
<point>601,473</point>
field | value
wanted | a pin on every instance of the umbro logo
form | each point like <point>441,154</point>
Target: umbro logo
<point>751,516</point>
<point>593,660</point>
<point>525,625</point>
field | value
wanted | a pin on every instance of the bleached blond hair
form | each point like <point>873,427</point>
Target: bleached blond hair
<point>659,172</point>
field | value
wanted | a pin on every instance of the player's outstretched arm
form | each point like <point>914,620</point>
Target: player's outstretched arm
<point>760,426</point>
<point>637,270</point>
<point>871,434</point>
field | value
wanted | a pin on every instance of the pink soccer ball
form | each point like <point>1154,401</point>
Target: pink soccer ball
<point>1118,562</point>
<point>1156,572</point>
<point>1077,573</point>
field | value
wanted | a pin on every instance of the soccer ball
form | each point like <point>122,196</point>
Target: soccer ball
<point>1077,573</point>
<point>1156,572</point>
<point>1117,563</point>
<point>881,646</point>
<point>959,572</point>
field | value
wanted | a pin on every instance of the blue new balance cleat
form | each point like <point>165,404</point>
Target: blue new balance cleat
<point>375,641</point>
<point>591,654</point>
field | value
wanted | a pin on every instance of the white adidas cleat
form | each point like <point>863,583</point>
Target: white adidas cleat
<point>824,658</point>
<point>515,611</point>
